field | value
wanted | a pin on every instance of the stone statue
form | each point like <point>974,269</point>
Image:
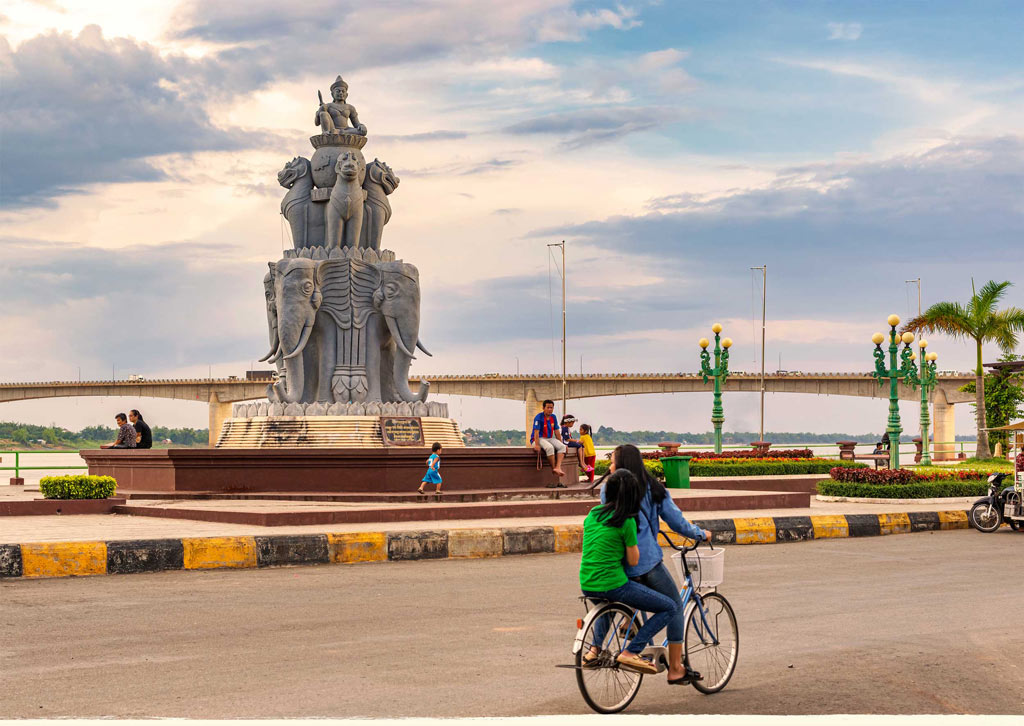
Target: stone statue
<point>348,326</point>
<point>344,213</point>
<point>343,315</point>
<point>305,219</point>
<point>380,181</point>
<point>334,117</point>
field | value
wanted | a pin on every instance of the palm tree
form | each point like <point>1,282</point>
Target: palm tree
<point>982,323</point>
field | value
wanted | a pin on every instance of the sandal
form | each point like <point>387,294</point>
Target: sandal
<point>590,660</point>
<point>687,679</point>
<point>633,662</point>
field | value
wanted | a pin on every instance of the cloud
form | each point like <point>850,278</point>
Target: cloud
<point>84,109</point>
<point>440,135</point>
<point>844,31</point>
<point>585,127</point>
<point>840,236</point>
<point>158,306</point>
<point>569,25</point>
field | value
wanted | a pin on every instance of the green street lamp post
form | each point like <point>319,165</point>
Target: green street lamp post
<point>719,373</point>
<point>927,378</point>
<point>905,370</point>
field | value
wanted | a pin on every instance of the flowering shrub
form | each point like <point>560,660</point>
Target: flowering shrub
<point>752,454</point>
<point>913,490</point>
<point>901,476</point>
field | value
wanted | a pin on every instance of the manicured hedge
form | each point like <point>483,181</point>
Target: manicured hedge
<point>745,468</point>
<point>913,490</point>
<point>904,476</point>
<point>77,486</point>
<point>740,454</point>
<point>768,468</point>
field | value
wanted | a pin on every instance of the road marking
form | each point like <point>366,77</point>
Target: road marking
<point>345,547</point>
<point>830,525</point>
<point>894,523</point>
<point>755,530</point>
<point>60,559</point>
<point>203,553</point>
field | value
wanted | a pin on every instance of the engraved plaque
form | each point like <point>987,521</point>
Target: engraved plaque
<point>401,431</point>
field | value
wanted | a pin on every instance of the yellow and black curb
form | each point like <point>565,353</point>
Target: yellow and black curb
<point>63,559</point>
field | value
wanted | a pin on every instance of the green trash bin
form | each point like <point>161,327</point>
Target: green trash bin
<point>677,471</point>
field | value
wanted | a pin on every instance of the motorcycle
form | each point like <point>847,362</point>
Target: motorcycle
<point>988,513</point>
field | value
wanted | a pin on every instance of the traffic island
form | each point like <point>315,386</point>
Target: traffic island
<point>68,559</point>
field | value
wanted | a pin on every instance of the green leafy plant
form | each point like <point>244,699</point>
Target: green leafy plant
<point>1004,398</point>
<point>981,322</point>
<point>746,468</point>
<point>77,486</point>
<point>913,490</point>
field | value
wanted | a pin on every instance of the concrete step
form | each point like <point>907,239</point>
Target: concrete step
<point>271,513</point>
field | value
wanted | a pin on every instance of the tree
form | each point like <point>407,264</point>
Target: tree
<point>1004,396</point>
<point>981,322</point>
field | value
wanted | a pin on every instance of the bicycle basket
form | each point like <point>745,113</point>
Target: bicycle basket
<point>707,567</point>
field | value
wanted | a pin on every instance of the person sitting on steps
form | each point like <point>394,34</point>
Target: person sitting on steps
<point>545,435</point>
<point>568,421</point>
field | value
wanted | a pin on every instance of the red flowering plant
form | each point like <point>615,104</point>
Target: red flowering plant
<point>745,455</point>
<point>901,476</point>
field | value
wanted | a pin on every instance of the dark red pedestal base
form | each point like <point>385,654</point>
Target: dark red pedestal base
<point>315,470</point>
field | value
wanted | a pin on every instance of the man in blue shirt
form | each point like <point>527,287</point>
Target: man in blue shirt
<point>545,435</point>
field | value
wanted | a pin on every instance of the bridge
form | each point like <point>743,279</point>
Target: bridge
<point>531,389</point>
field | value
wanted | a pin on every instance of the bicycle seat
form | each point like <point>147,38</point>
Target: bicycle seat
<point>595,599</point>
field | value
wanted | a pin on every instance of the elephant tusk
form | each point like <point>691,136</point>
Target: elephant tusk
<point>272,355</point>
<point>420,346</point>
<point>302,342</point>
<point>396,334</point>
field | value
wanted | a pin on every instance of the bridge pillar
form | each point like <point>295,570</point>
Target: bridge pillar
<point>943,427</point>
<point>533,407</point>
<point>218,413</point>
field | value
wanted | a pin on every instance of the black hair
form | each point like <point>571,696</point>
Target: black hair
<point>546,402</point>
<point>623,493</point>
<point>567,417</point>
<point>436,447</point>
<point>121,417</point>
<point>627,456</point>
<point>137,414</point>
<point>585,428</point>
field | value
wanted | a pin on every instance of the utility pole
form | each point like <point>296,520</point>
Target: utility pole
<point>918,281</point>
<point>562,245</point>
<point>764,306</point>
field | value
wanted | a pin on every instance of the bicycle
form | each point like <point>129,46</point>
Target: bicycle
<point>710,644</point>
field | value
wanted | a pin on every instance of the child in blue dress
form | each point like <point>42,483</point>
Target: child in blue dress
<point>433,475</point>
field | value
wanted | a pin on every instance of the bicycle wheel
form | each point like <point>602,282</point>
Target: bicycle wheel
<point>605,686</point>
<point>715,662</point>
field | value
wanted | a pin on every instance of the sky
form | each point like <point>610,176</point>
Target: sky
<point>849,146</point>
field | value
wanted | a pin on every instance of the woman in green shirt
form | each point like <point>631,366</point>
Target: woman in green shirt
<point>609,536</point>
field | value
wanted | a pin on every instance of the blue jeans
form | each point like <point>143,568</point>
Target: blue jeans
<point>660,579</point>
<point>662,609</point>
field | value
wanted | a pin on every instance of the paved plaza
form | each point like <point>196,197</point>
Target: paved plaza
<point>903,624</point>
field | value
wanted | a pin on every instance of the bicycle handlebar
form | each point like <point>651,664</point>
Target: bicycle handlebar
<point>677,548</point>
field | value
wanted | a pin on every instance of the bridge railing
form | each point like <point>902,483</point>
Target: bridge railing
<point>18,468</point>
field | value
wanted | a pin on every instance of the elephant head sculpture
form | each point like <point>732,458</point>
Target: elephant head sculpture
<point>398,302</point>
<point>297,301</point>
<point>271,300</point>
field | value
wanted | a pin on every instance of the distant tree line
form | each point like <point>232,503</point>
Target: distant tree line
<point>607,436</point>
<point>57,437</point>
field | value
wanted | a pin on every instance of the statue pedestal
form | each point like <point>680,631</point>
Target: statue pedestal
<point>327,432</point>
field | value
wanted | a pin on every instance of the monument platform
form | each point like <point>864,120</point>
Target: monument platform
<point>284,510</point>
<point>338,470</point>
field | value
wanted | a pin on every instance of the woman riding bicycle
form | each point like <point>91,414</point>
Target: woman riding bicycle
<point>609,537</point>
<point>650,571</point>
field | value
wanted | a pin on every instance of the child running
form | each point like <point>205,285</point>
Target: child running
<point>609,536</point>
<point>433,475</point>
<point>589,453</point>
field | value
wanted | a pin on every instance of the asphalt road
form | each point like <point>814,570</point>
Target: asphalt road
<point>922,623</point>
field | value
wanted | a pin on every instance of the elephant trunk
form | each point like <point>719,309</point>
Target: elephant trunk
<point>295,379</point>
